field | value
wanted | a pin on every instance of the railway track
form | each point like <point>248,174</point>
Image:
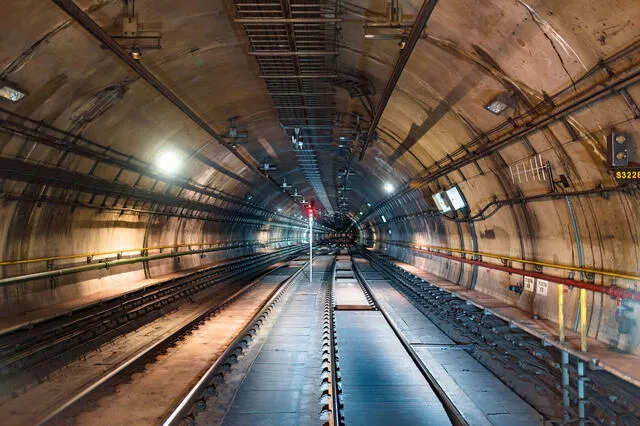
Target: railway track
<point>373,365</point>
<point>224,315</point>
<point>334,351</point>
<point>278,358</point>
<point>30,353</point>
<point>368,375</point>
<point>526,365</point>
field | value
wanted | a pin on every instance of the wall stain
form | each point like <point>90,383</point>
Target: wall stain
<point>18,63</point>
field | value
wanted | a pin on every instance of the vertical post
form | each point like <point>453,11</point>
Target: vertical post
<point>583,320</point>
<point>561,313</point>
<point>581,394</point>
<point>566,402</point>
<point>310,246</point>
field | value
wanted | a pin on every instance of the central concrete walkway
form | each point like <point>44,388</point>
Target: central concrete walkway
<point>283,386</point>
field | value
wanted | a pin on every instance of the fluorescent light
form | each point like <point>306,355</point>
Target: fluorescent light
<point>384,219</point>
<point>456,198</point>
<point>11,93</point>
<point>500,103</point>
<point>496,107</point>
<point>168,161</point>
<point>388,187</point>
<point>368,204</point>
<point>441,203</point>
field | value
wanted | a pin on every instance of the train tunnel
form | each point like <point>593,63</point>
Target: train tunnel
<point>319,212</point>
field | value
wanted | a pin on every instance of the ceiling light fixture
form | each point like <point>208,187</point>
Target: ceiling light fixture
<point>10,92</point>
<point>136,53</point>
<point>500,103</point>
<point>168,161</point>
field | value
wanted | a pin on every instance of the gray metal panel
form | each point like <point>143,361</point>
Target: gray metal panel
<point>283,385</point>
<point>479,395</point>
<point>349,293</point>
<point>380,383</point>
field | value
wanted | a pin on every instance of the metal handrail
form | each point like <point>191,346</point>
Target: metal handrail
<point>139,249</point>
<point>431,249</point>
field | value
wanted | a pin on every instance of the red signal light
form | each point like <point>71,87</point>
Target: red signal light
<point>310,211</point>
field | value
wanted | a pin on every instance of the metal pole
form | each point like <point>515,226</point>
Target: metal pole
<point>561,313</point>
<point>583,320</point>
<point>581,394</point>
<point>310,247</point>
<point>566,402</point>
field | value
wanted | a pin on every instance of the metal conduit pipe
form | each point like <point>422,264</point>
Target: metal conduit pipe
<point>101,265</point>
<point>617,292</point>
<point>414,35</point>
<point>522,126</point>
<point>75,12</point>
<point>430,248</point>
<point>137,249</point>
<point>482,215</point>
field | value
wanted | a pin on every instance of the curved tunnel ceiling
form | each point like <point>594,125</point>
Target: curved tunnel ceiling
<point>470,52</point>
<point>434,133</point>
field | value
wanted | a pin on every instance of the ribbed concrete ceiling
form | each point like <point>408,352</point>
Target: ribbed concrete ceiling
<point>472,51</point>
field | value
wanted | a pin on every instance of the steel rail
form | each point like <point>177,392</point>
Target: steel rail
<point>613,291</point>
<point>433,300</point>
<point>335,392</point>
<point>53,338</point>
<point>183,408</point>
<point>414,35</point>
<point>452,411</point>
<point>150,351</point>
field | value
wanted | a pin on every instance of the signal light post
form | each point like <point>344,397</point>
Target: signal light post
<point>310,211</point>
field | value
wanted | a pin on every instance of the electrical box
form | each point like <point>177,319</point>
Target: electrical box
<point>130,26</point>
<point>618,146</point>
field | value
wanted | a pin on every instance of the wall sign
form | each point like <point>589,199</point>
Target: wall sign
<point>543,287</point>
<point>529,284</point>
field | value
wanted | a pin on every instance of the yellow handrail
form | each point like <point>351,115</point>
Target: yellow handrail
<point>528,262</point>
<point>103,253</point>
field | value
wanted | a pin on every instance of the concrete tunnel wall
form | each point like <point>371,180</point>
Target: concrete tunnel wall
<point>472,51</point>
<point>32,231</point>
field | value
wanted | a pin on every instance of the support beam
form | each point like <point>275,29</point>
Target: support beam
<point>287,20</point>
<point>412,40</point>
<point>288,53</point>
<point>298,76</point>
<point>75,12</point>
<point>303,107</point>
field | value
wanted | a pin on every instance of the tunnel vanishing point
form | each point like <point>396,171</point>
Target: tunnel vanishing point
<point>320,212</point>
